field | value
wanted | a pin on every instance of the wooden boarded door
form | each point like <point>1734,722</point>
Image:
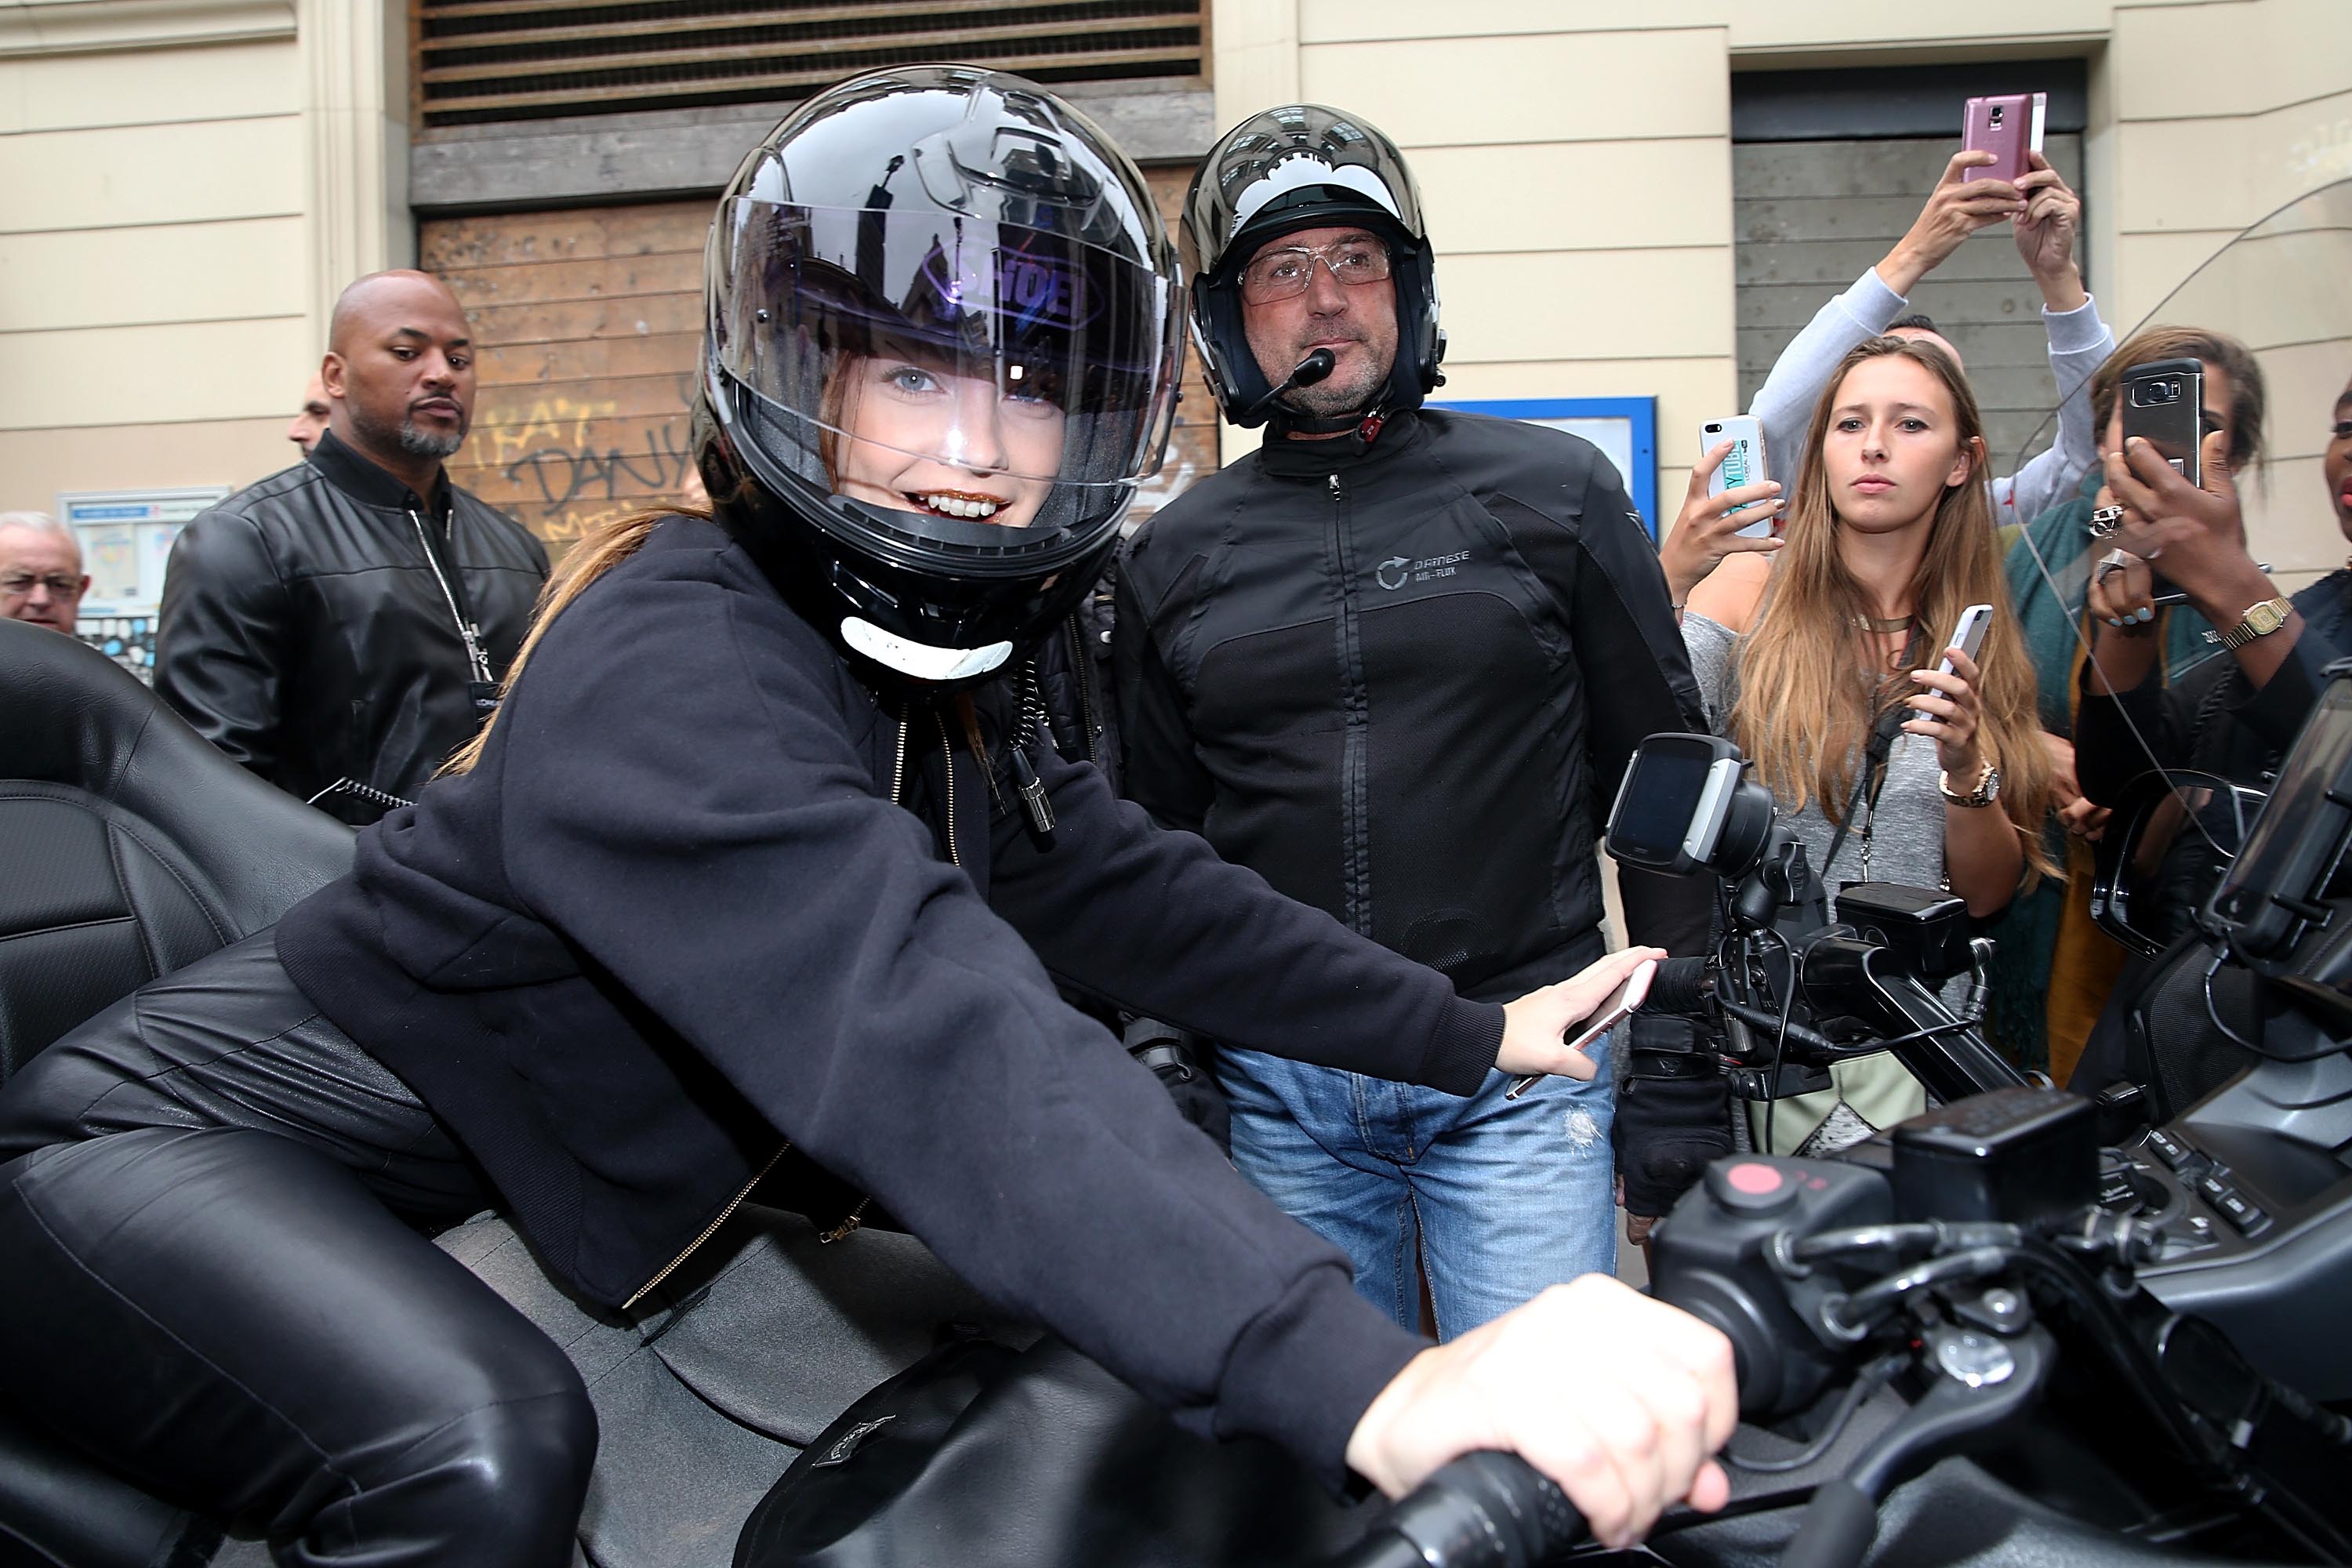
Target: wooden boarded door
<point>589,321</point>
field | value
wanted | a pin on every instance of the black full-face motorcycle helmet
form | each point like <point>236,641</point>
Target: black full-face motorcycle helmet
<point>1303,166</point>
<point>942,347</point>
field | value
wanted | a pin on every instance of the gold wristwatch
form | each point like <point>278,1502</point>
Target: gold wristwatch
<point>1988,788</point>
<point>2260,621</point>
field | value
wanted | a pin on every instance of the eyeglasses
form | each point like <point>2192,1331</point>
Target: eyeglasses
<point>1274,275</point>
<point>19,587</point>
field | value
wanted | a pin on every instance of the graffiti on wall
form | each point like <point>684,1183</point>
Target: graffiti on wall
<point>562,465</point>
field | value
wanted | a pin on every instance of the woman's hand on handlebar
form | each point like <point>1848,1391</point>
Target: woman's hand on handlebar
<point>1536,1026</point>
<point>1619,1398</point>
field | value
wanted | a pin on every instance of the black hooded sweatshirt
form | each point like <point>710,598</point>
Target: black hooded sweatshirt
<point>706,894</point>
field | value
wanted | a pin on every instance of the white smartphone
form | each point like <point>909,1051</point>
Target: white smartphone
<point>1743,464</point>
<point>1968,636</point>
<point>1620,1005</point>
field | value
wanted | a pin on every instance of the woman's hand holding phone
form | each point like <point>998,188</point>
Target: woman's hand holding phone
<point>1707,527</point>
<point>2046,232</point>
<point>2198,529</point>
<point>1952,713</point>
<point>1536,1026</point>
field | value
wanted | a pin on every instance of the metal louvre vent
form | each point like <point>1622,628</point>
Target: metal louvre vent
<point>481,60</point>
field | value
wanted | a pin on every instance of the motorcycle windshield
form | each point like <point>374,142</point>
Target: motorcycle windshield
<point>2272,302</point>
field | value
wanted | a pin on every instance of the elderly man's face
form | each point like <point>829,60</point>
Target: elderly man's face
<point>41,579</point>
<point>1357,322</point>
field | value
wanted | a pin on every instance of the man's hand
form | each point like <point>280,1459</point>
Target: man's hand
<point>2046,233</point>
<point>1955,210</point>
<point>1707,529</point>
<point>1618,1398</point>
<point>1536,1026</point>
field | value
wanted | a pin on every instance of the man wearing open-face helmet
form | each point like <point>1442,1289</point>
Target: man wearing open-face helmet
<point>1397,661</point>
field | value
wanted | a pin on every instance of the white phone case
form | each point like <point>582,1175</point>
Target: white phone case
<point>1743,464</point>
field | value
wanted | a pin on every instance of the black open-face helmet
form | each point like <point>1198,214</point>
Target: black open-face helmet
<point>1303,166</point>
<point>939,298</point>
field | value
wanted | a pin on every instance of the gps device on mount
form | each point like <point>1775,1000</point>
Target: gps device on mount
<point>1672,803</point>
<point>1684,805</point>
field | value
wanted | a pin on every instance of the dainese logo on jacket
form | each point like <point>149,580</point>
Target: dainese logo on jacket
<point>1398,570</point>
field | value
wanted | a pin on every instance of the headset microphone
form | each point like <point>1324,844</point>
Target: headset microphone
<point>1310,371</point>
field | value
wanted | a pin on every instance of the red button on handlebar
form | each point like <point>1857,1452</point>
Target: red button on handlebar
<point>1752,1186</point>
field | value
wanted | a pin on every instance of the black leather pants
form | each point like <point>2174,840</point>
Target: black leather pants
<point>215,1281</point>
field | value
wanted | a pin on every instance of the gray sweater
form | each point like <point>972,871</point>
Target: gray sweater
<point>2079,343</point>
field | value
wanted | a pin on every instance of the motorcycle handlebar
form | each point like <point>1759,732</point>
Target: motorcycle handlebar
<point>1485,1509</point>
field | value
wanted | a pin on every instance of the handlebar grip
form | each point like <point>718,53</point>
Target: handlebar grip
<point>1485,1509</point>
<point>1679,989</point>
<point>1836,1530</point>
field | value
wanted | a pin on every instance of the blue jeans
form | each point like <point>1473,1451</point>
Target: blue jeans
<point>1498,1198</point>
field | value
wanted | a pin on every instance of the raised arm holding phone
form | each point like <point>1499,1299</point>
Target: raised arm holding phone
<point>2047,216</point>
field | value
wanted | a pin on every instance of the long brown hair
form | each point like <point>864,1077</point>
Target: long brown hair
<point>1802,713</point>
<point>600,550</point>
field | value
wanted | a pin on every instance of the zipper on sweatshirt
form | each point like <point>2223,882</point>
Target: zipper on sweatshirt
<point>1082,671</point>
<point>1355,805</point>
<point>711,1230</point>
<point>947,763</point>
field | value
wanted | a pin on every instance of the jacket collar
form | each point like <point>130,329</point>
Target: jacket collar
<point>363,480</point>
<point>1286,458</point>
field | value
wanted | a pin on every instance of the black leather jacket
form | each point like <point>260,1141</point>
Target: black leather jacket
<point>305,630</point>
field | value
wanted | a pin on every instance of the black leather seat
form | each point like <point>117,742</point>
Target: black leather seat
<point>129,846</point>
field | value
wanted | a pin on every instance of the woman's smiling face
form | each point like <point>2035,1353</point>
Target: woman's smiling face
<point>918,437</point>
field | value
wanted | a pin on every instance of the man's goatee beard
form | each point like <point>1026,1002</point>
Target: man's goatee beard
<point>421,444</point>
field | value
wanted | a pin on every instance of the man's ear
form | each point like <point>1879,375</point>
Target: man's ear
<point>331,374</point>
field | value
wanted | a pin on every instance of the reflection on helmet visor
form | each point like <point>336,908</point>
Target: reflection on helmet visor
<point>937,363</point>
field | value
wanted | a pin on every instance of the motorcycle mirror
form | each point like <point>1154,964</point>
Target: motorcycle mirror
<point>2169,839</point>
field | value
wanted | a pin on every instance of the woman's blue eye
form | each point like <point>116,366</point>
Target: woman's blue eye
<point>909,378</point>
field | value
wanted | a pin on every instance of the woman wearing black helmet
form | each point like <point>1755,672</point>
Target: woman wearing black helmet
<point>744,867</point>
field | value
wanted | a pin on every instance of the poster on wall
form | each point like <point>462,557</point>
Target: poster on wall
<point>126,542</point>
<point>1624,428</point>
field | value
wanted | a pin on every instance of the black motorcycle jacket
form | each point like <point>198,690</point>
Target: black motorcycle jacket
<point>1401,678</point>
<point>706,896</point>
<point>306,631</point>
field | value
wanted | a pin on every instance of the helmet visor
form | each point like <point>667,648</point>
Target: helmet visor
<point>959,369</point>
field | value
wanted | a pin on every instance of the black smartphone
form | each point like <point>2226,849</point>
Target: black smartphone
<point>2164,403</point>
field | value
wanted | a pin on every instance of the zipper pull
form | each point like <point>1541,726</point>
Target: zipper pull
<point>1032,794</point>
<point>1334,489</point>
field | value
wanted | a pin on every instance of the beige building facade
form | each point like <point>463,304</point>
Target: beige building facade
<point>185,184</point>
<point>1576,157</point>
